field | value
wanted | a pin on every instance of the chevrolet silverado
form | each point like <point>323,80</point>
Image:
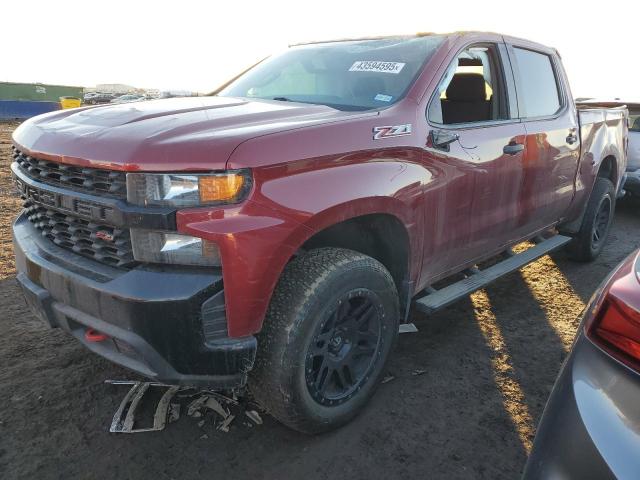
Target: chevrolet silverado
<point>276,232</point>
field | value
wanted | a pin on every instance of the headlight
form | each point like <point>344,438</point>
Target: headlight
<point>164,247</point>
<point>183,190</point>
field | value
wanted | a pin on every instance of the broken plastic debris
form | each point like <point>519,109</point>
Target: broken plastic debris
<point>407,328</point>
<point>224,426</point>
<point>214,405</point>
<point>124,420</point>
<point>167,412</point>
<point>223,398</point>
<point>204,437</point>
<point>194,406</point>
<point>387,379</point>
<point>174,412</point>
<point>254,416</point>
<point>418,371</point>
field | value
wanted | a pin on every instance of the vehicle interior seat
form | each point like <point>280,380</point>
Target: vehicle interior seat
<point>466,99</point>
<point>636,125</point>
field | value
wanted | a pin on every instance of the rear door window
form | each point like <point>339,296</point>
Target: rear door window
<point>538,88</point>
<point>634,120</point>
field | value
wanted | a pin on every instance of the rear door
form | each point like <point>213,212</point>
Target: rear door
<point>477,144</point>
<point>633,155</point>
<point>553,148</point>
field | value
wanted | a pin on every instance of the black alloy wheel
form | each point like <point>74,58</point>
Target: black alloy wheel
<point>328,333</point>
<point>601,223</point>
<point>344,348</point>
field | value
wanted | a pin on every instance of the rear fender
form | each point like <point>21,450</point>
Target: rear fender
<point>601,136</point>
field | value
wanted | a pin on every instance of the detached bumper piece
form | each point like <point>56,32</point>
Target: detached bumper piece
<point>166,323</point>
<point>124,420</point>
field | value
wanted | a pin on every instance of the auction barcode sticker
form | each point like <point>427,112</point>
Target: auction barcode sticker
<point>373,66</point>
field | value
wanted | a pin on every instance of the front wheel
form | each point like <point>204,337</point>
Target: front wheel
<point>328,332</point>
<point>592,236</point>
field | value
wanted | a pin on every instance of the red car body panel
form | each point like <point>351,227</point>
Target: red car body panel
<point>314,167</point>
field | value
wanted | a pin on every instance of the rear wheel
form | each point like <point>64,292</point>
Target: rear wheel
<point>590,240</point>
<point>330,327</point>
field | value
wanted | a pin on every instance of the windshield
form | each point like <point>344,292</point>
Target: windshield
<point>349,75</point>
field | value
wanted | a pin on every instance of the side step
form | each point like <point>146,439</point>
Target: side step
<point>477,279</point>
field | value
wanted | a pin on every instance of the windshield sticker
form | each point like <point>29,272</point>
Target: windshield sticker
<point>391,131</point>
<point>382,98</point>
<point>373,66</point>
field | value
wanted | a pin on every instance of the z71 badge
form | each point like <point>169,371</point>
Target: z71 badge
<point>391,131</point>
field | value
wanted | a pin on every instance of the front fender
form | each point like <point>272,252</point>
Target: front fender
<point>287,207</point>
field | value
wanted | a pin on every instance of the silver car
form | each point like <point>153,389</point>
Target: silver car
<point>632,184</point>
<point>591,424</point>
<point>128,99</point>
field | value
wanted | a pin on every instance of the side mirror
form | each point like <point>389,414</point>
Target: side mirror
<point>442,139</point>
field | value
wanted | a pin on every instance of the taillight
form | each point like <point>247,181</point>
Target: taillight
<point>615,325</point>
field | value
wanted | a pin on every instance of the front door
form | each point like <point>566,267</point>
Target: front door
<point>478,146</point>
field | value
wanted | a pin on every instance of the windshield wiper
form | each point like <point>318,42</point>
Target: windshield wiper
<point>335,106</point>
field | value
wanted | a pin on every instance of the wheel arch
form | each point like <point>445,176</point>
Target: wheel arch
<point>609,169</point>
<point>381,227</point>
<point>382,236</point>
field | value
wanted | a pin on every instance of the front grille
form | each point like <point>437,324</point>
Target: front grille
<point>103,243</point>
<point>92,180</point>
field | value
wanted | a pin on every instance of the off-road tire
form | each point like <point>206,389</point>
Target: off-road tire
<point>583,247</point>
<point>305,296</point>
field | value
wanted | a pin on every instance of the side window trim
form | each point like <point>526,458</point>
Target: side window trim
<point>518,84</point>
<point>512,91</point>
<point>508,81</point>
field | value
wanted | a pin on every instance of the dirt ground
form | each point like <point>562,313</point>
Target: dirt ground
<point>467,393</point>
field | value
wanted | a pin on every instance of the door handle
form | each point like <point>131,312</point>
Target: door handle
<point>572,138</point>
<point>513,148</point>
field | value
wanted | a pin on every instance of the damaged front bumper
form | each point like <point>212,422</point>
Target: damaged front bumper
<point>166,323</point>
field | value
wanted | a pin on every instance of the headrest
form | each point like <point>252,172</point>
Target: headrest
<point>467,87</point>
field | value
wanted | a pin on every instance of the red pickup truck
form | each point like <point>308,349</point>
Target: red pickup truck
<point>279,230</point>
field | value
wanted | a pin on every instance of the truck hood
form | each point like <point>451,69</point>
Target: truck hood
<point>196,134</point>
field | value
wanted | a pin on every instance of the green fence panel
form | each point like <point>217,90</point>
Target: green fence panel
<point>37,91</point>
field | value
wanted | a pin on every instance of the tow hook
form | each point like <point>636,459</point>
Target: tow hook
<point>91,335</point>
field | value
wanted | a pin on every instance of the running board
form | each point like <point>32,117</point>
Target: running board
<point>477,279</point>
